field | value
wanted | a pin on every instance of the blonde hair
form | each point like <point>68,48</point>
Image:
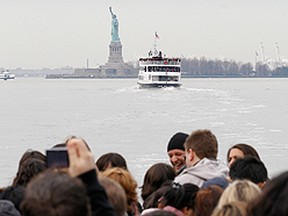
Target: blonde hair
<point>237,208</point>
<point>239,190</point>
<point>126,180</point>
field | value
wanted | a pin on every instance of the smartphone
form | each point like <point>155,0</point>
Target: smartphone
<point>57,157</point>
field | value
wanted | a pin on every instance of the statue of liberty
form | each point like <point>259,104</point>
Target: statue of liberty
<point>114,27</point>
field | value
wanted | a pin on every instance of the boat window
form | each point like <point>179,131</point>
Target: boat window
<point>169,78</point>
<point>161,69</point>
<point>155,78</point>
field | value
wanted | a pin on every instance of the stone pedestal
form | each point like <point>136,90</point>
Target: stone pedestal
<point>115,53</point>
<point>115,65</point>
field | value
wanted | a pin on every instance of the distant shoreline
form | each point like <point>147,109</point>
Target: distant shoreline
<point>65,76</point>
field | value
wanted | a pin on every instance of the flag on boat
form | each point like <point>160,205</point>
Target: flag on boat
<point>156,36</point>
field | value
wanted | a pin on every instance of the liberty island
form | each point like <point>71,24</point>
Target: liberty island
<point>114,68</point>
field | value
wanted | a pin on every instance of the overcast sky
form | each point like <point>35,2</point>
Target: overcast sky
<point>57,33</point>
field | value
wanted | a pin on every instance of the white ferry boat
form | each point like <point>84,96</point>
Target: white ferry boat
<point>158,71</point>
<point>5,75</point>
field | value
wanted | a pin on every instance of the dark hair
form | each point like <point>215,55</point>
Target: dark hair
<point>247,150</point>
<point>28,169</point>
<point>153,200</point>
<point>157,175</point>
<point>273,200</point>
<point>55,193</point>
<point>180,196</point>
<point>70,138</point>
<point>59,145</point>
<point>206,200</point>
<point>204,143</point>
<point>28,155</point>
<point>32,154</point>
<point>249,168</point>
<point>160,212</point>
<point>15,194</point>
<point>111,159</point>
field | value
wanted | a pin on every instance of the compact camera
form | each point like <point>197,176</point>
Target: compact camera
<point>57,157</point>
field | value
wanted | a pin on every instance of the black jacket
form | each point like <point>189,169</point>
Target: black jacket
<point>100,204</point>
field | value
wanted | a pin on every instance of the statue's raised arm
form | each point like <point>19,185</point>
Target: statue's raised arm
<point>111,12</point>
<point>114,26</point>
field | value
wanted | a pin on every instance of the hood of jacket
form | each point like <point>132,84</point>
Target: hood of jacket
<point>204,170</point>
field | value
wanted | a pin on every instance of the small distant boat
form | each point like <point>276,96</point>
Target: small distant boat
<point>158,71</point>
<point>5,75</point>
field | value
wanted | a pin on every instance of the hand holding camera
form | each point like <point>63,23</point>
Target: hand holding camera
<point>80,158</point>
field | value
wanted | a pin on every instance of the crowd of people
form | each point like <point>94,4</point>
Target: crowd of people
<point>196,183</point>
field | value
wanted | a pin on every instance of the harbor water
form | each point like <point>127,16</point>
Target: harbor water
<point>114,115</point>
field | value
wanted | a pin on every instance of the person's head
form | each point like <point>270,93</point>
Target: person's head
<point>200,144</point>
<point>110,160</point>
<point>15,194</point>
<point>206,200</point>
<point>154,200</point>
<point>159,212</point>
<point>249,168</point>
<point>176,150</point>
<point>126,180</point>
<point>28,155</point>
<point>239,151</point>
<point>55,193</point>
<point>157,175</point>
<point>189,198</point>
<point>28,169</point>
<point>239,190</point>
<point>31,154</point>
<point>181,197</point>
<point>116,195</point>
<point>273,200</point>
<point>236,208</point>
<point>69,138</point>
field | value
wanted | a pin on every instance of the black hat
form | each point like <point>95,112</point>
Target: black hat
<point>177,141</point>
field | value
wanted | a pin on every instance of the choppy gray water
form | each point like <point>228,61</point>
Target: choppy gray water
<point>116,116</point>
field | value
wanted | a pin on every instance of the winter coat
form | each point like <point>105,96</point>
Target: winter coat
<point>202,171</point>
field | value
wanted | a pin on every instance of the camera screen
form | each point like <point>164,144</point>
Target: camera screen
<point>57,157</point>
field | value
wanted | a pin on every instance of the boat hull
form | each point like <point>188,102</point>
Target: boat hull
<point>7,76</point>
<point>158,85</point>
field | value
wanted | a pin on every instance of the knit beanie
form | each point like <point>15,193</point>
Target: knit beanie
<point>177,141</point>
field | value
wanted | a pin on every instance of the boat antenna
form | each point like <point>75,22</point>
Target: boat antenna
<point>256,60</point>
<point>263,54</point>
<point>278,52</point>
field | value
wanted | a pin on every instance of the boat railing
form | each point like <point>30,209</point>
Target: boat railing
<point>158,61</point>
<point>160,68</point>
